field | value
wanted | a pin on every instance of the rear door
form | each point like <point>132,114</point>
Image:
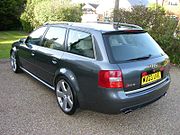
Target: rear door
<point>139,57</point>
<point>48,55</point>
<point>80,59</point>
<point>27,50</point>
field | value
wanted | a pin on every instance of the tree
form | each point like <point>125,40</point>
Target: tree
<point>27,17</point>
<point>10,11</point>
<point>160,26</point>
<point>38,12</point>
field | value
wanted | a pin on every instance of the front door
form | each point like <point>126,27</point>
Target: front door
<point>27,50</point>
<point>48,55</point>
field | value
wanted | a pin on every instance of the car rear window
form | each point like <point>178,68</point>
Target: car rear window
<point>131,46</point>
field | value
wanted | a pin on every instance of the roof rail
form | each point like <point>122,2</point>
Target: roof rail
<point>56,22</point>
<point>116,25</point>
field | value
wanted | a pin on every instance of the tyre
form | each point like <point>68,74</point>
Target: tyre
<point>14,63</point>
<point>66,96</point>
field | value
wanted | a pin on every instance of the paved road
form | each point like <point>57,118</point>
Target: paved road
<point>29,108</point>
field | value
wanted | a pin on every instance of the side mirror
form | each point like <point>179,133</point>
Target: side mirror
<point>22,40</point>
<point>26,42</point>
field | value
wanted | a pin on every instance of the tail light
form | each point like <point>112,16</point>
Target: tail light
<point>110,79</point>
<point>144,74</point>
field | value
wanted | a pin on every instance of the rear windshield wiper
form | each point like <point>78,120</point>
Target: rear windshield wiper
<point>141,58</point>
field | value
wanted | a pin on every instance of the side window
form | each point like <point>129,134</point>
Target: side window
<point>54,38</point>
<point>80,43</point>
<point>35,36</point>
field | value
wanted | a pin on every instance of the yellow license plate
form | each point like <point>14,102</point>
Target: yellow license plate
<point>150,78</point>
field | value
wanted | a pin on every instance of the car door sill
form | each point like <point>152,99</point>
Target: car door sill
<point>51,87</point>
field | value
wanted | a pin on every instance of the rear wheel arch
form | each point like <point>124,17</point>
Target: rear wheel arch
<point>63,72</point>
<point>64,77</point>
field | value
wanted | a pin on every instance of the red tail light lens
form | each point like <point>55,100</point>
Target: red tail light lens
<point>110,79</point>
<point>144,73</point>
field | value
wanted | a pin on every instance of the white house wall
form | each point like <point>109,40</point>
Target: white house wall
<point>89,17</point>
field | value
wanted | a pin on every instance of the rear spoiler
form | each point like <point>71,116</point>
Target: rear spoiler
<point>128,31</point>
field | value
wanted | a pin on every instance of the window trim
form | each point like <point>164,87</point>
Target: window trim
<point>41,37</point>
<point>109,51</point>
<point>108,48</point>
<point>93,43</point>
<point>64,43</point>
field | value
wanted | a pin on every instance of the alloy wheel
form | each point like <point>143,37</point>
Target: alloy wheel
<point>64,95</point>
<point>13,62</point>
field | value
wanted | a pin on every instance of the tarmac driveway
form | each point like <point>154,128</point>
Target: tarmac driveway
<point>27,107</point>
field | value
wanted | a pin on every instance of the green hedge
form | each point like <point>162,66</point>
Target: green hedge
<point>37,12</point>
<point>160,26</point>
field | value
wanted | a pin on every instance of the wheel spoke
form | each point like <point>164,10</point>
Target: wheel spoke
<point>13,61</point>
<point>13,58</point>
<point>62,85</point>
<point>68,92</point>
<point>70,103</point>
<point>64,106</point>
<point>60,94</point>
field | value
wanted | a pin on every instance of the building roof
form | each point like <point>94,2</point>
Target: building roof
<point>139,2</point>
<point>94,5</point>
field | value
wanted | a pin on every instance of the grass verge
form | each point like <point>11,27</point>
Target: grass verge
<point>6,40</point>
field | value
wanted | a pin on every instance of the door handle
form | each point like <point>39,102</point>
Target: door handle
<point>54,61</point>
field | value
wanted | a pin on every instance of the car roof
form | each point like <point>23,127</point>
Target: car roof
<point>99,26</point>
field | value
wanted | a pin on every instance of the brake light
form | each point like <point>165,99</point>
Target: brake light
<point>132,31</point>
<point>110,79</point>
<point>144,74</point>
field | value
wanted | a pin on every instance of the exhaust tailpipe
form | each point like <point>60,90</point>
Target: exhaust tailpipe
<point>128,111</point>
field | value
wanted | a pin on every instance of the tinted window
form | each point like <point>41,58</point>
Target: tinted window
<point>35,36</point>
<point>80,43</point>
<point>130,46</point>
<point>55,38</point>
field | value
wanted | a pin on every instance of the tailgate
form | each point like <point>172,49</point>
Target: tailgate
<point>138,74</point>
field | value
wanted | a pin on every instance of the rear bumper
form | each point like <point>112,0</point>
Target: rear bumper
<point>115,101</point>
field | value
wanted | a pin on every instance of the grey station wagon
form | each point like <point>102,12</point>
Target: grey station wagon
<point>105,67</point>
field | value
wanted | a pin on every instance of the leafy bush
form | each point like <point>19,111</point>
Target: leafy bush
<point>160,26</point>
<point>38,12</point>
<point>27,17</point>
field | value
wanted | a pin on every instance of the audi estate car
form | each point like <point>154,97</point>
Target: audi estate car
<point>104,67</point>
